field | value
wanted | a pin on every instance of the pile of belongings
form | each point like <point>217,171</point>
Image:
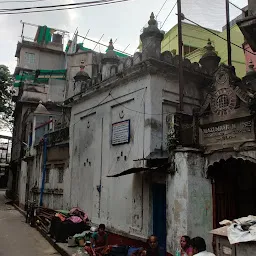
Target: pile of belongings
<point>116,250</point>
<point>241,230</point>
<point>80,239</point>
<point>68,223</point>
<point>44,217</point>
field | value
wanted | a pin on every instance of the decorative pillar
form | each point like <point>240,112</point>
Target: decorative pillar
<point>110,59</point>
<point>210,60</point>
<point>151,39</point>
<point>81,80</point>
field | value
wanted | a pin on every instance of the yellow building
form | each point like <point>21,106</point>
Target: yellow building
<point>195,38</point>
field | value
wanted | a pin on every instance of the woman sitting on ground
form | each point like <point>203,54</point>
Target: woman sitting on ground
<point>99,242</point>
<point>186,249</point>
<point>100,238</point>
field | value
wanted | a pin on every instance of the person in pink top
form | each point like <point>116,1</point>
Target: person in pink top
<point>186,249</point>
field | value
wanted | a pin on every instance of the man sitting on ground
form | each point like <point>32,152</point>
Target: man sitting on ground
<point>151,250</point>
<point>199,247</point>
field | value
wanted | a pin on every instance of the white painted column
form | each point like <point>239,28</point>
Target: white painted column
<point>189,200</point>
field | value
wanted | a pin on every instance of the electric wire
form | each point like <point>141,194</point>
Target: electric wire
<point>59,5</point>
<point>61,9</point>
<point>133,110</point>
<point>25,1</point>
<point>91,109</point>
<point>161,8</point>
<point>168,15</point>
<point>237,7</point>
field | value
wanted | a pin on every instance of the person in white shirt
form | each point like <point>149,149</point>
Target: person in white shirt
<point>199,247</point>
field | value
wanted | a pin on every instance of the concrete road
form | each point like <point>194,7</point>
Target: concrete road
<point>17,238</point>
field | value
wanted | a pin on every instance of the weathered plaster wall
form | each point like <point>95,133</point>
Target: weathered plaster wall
<point>189,200</point>
<point>51,61</point>
<point>124,204</point>
<point>177,203</point>
<point>22,183</point>
<point>37,94</point>
<point>56,193</point>
<point>56,90</point>
<point>18,133</point>
<point>164,99</point>
<point>53,91</point>
<point>43,59</point>
<point>200,209</point>
<point>120,202</point>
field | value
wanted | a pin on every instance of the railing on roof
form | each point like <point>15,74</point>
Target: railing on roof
<point>26,38</point>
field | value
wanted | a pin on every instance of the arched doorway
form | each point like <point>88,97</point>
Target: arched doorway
<point>234,189</point>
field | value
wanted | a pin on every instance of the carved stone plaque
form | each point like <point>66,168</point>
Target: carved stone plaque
<point>228,132</point>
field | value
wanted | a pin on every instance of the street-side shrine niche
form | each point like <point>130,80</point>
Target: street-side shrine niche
<point>225,118</point>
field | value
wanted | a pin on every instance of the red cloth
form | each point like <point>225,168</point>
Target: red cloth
<point>60,216</point>
<point>99,251</point>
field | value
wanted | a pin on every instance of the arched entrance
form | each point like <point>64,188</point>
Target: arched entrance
<point>234,189</point>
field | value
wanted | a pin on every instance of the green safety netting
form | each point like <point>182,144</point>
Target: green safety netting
<point>40,76</point>
<point>50,72</point>
<point>119,54</point>
<point>24,77</point>
<point>44,34</point>
<point>81,47</point>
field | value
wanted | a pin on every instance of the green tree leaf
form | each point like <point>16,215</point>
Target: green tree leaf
<point>6,104</point>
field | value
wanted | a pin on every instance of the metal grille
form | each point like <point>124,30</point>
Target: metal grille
<point>222,101</point>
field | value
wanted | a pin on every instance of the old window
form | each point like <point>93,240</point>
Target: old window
<point>29,58</point>
<point>60,168</point>
<point>188,49</point>
<point>61,175</point>
<point>47,175</point>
